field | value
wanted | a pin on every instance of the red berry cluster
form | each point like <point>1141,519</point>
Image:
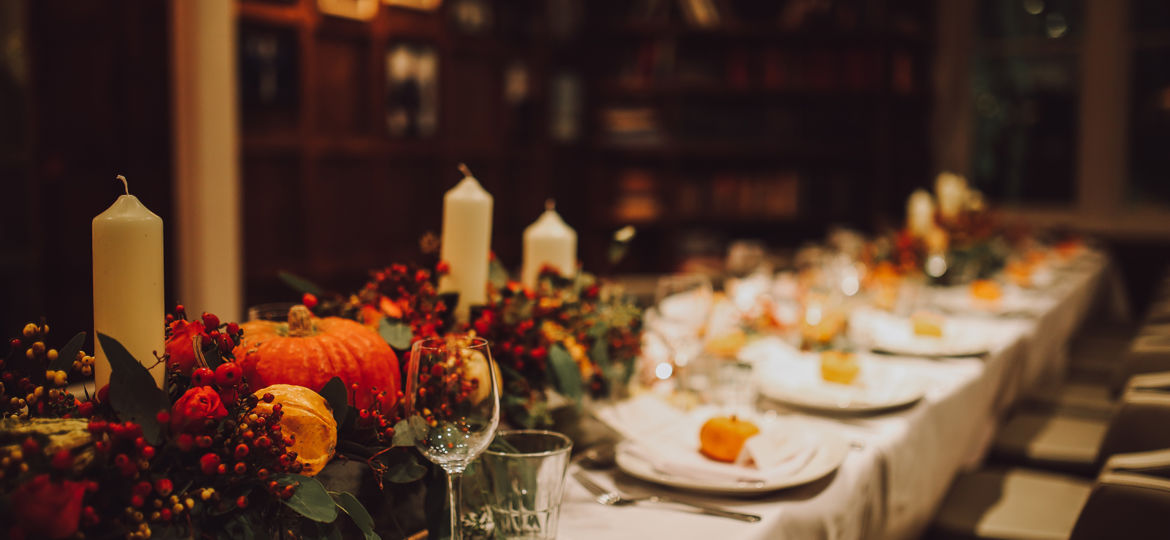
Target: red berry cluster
<point>444,391</point>
<point>400,292</point>
<point>375,424</point>
<point>248,443</point>
<point>406,293</point>
<point>137,493</point>
<point>189,342</point>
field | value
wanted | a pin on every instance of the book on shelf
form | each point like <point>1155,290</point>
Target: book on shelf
<point>649,10</point>
<point>700,13</point>
<point>637,197</point>
<point>633,125</point>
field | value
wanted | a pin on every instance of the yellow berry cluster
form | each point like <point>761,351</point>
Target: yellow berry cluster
<point>26,390</point>
<point>36,349</point>
<point>83,364</point>
<point>13,463</point>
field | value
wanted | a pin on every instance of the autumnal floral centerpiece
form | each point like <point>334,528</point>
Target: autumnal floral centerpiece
<point>954,241</point>
<point>571,337</point>
<point>208,455</point>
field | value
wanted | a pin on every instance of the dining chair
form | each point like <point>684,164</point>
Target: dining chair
<point>1125,505</point>
<point>1093,366</point>
<point>1021,503</point>
<point>1079,444</point>
<point>1067,434</point>
<point>1129,499</point>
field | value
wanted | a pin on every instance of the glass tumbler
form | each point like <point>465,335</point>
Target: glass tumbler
<point>525,473</point>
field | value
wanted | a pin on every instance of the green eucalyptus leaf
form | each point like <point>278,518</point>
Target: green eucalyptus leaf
<point>350,424</point>
<point>300,284</point>
<point>310,499</point>
<point>397,334</point>
<point>418,425</point>
<point>500,444</point>
<point>497,274</point>
<point>405,468</point>
<point>566,375</point>
<point>335,394</point>
<point>212,356</point>
<point>240,526</point>
<point>599,353</point>
<point>316,531</point>
<point>403,434</point>
<point>68,353</point>
<point>133,393</point>
<point>351,506</point>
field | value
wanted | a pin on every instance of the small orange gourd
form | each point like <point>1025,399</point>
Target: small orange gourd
<point>306,417</point>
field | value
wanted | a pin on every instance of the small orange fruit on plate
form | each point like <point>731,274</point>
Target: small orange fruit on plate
<point>722,438</point>
<point>839,367</point>
<point>986,289</point>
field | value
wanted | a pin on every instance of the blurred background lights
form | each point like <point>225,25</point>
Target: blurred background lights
<point>663,370</point>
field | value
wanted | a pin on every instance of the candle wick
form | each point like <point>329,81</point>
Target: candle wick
<point>125,185</point>
<point>463,169</point>
<point>550,204</point>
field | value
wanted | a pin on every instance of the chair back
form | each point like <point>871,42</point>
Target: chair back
<point>1139,425</point>
<point>1125,505</point>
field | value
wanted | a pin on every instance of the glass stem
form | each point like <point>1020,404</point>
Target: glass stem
<point>455,494</point>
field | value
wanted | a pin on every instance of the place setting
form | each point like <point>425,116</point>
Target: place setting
<point>923,334</point>
<point>837,382</point>
<point>708,450</point>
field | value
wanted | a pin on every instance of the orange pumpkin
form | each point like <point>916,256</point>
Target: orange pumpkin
<point>308,351</point>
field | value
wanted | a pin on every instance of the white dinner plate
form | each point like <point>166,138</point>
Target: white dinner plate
<point>1014,301</point>
<point>795,379</point>
<point>829,452</point>
<point>891,334</point>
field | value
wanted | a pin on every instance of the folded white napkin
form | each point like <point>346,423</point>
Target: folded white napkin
<point>668,440</point>
<point>767,458</point>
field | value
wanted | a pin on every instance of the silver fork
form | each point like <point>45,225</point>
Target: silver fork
<point>614,498</point>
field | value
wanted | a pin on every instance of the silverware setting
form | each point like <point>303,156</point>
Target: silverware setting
<point>615,498</point>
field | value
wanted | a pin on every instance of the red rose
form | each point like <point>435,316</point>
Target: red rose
<point>46,509</point>
<point>191,412</point>
<point>180,351</point>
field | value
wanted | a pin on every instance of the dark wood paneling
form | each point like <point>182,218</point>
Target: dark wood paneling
<point>99,106</point>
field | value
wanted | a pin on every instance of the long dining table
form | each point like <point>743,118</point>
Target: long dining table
<point>901,463</point>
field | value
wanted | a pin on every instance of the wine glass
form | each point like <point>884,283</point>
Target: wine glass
<point>452,406</point>
<point>684,303</point>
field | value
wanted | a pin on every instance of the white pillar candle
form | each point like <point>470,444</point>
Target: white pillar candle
<point>951,191</point>
<point>919,213</point>
<point>549,241</point>
<point>128,283</point>
<point>467,234</point>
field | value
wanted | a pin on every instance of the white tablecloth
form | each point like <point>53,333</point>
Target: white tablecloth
<point>902,463</point>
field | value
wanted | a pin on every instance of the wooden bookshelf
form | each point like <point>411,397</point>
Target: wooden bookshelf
<point>842,108</point>
<point>330,192</point>
<point>839,101</point>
